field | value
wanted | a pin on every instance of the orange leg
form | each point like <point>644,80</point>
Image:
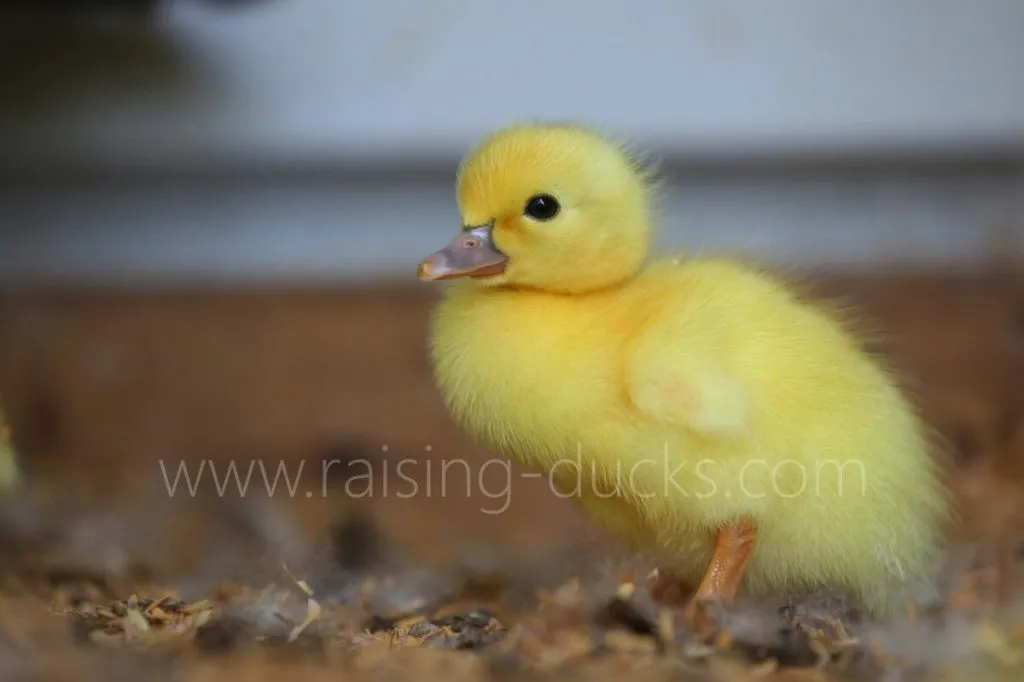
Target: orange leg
<point>734,544</point>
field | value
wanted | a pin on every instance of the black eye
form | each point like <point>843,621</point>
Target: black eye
<point>542,207</point>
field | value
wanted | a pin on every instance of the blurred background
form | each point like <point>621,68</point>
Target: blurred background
<point>211,213</point>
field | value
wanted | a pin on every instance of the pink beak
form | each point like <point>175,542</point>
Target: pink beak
<point>470,254</point>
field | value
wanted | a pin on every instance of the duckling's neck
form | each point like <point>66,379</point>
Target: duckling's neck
<point>581,294</point>
<point>581,290</point>
<point>550,316</point>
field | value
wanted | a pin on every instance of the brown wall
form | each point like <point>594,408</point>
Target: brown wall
<point>100,386</point>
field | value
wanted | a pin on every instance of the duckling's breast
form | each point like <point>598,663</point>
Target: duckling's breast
<point>531,377</point>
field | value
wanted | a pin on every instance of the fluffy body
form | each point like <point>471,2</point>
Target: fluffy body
<point>671,398</point>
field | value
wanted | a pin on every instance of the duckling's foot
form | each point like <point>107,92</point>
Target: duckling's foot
<point>734,544</point>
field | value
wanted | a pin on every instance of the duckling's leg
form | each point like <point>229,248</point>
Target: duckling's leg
<point>734,544</point>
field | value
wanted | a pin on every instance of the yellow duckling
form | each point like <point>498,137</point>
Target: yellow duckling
<point>696,408</point>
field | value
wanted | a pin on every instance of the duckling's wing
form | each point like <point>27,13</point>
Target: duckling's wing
<point>677,373</point>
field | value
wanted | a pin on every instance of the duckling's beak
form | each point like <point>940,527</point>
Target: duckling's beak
<point>471,254</point>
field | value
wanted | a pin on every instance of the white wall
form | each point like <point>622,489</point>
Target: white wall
<point>354,79</point>
<point>346,84</point>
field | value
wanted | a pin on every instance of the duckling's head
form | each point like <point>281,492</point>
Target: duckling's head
<point>549,207</point>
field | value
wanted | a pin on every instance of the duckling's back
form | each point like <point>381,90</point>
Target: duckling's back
<point>829,455</point>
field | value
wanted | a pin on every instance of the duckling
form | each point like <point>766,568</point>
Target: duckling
<point>696,407</point>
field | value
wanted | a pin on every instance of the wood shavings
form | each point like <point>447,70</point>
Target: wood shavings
<point>626,634</point>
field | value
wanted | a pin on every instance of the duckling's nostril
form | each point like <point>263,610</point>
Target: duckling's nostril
<point>470,243</point>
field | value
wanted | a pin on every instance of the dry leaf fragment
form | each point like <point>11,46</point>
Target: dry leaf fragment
<point>203,618</point>
<point>135,624</point>
<point>313,612</point>
<point>194,607</point>
<point>300,583</point>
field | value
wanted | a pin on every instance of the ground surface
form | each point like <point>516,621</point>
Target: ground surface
<point>106,575</point>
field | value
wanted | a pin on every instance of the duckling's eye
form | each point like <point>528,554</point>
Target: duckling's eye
<point>542,207</point>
